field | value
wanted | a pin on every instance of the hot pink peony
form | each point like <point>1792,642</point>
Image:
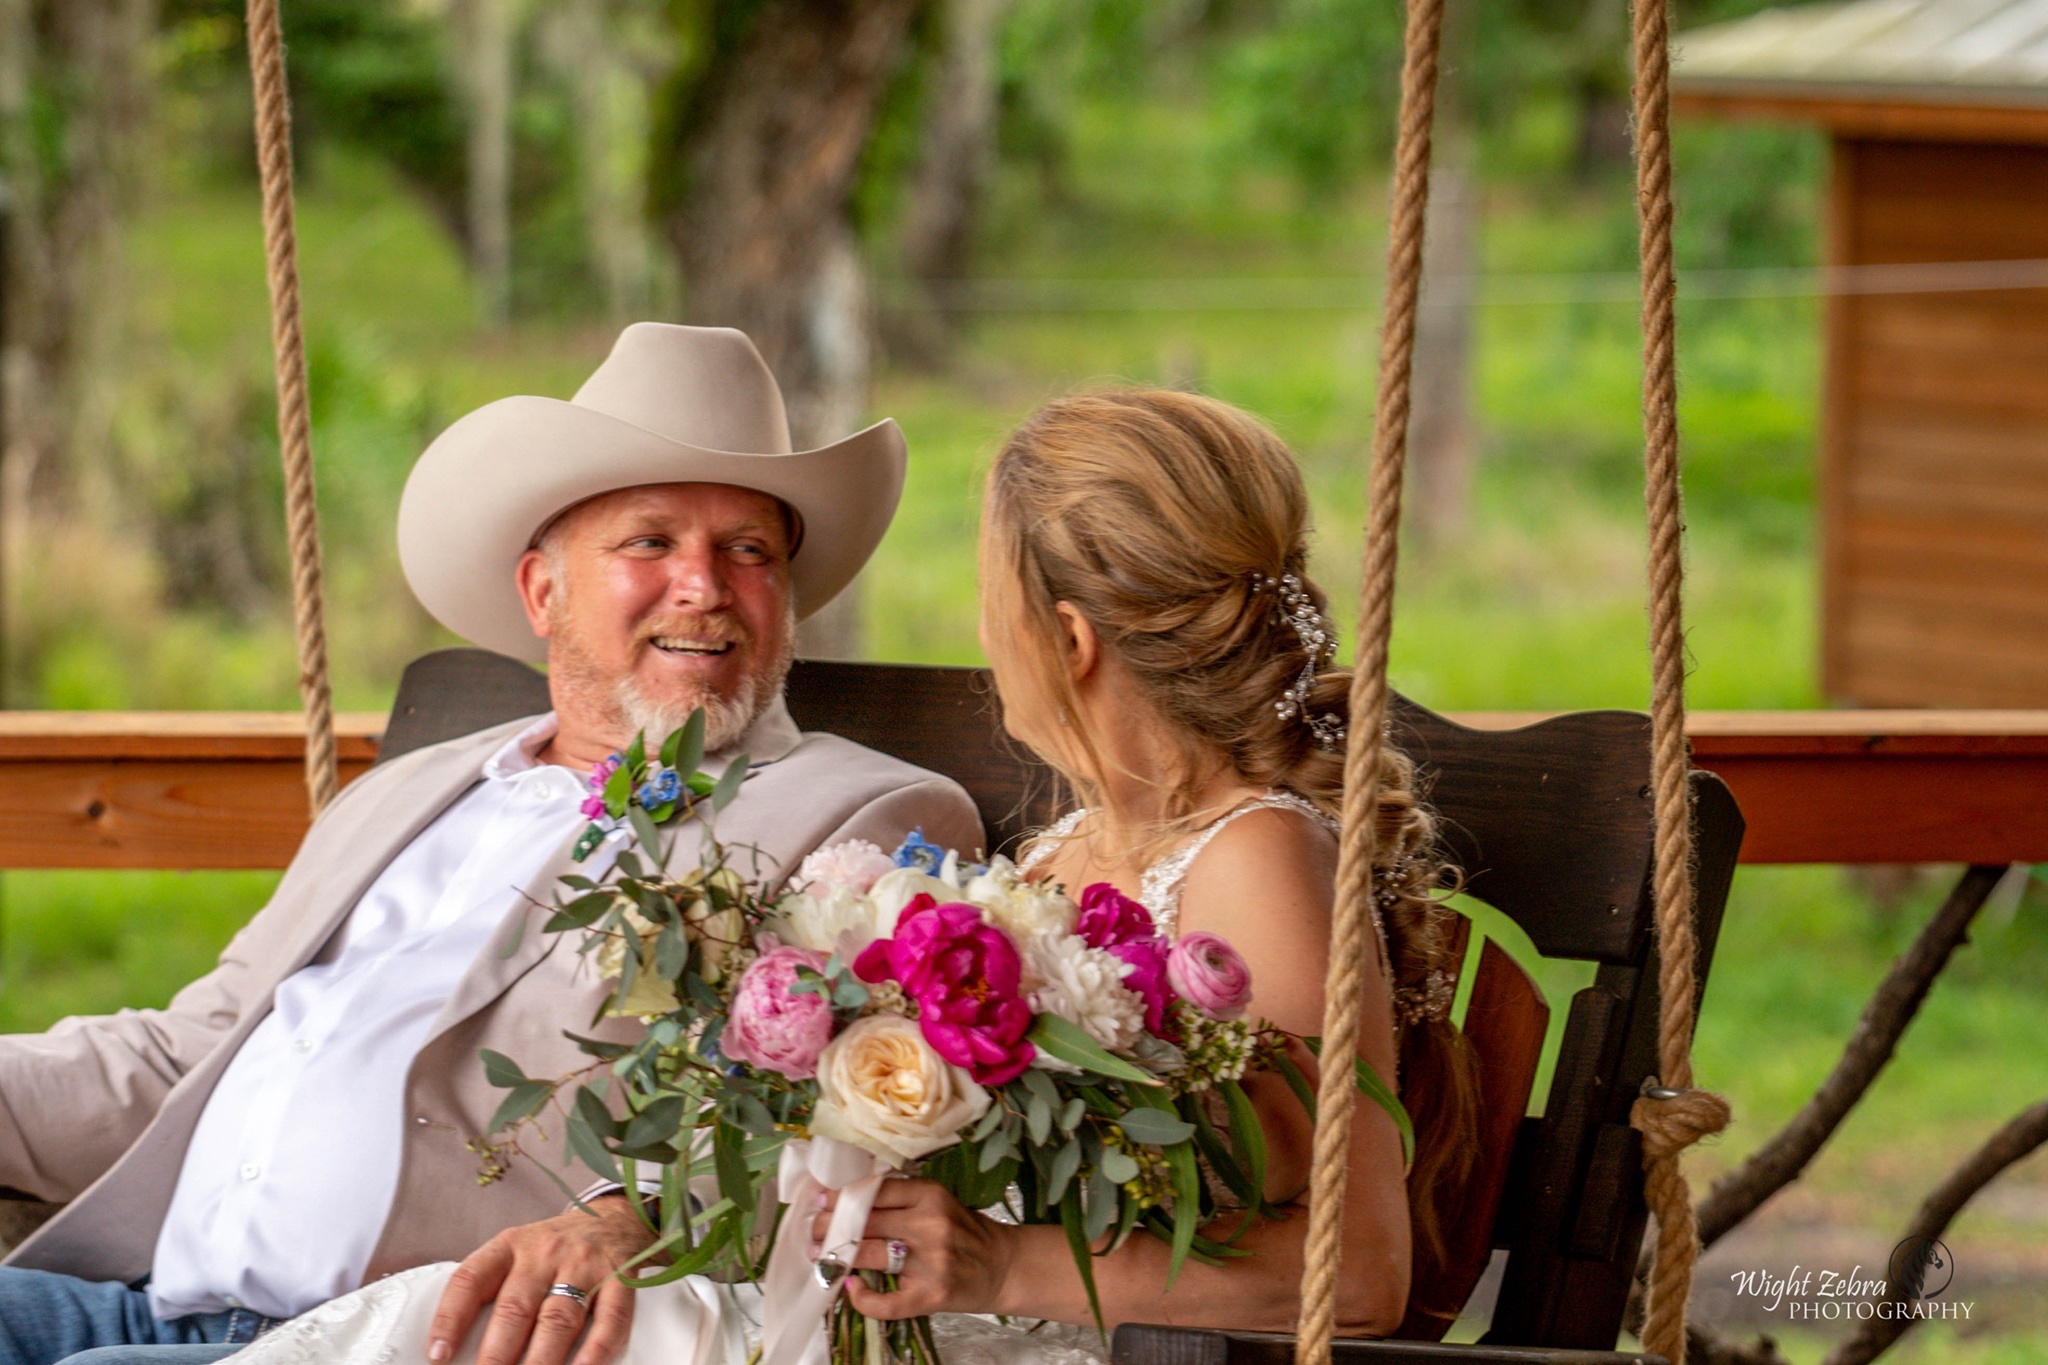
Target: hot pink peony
<point>1109,917</point>
<point>1147,978</point>
<point>773,1027</point>
<point>1207,972</point>
<point>964,975</point>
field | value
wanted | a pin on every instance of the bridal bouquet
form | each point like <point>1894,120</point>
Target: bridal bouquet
<point>892,1011</point>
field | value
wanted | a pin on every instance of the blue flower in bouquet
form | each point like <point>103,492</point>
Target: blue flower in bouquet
<point>661,789</point>
<point>918,852</point>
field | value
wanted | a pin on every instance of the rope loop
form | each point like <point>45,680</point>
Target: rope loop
<point>1671,1121</point>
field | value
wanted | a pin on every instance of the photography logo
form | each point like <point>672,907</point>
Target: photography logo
<point>1919,1272</point>
<point>1921,1268</point>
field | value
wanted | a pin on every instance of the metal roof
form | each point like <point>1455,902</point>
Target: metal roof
<point>1968,49</point>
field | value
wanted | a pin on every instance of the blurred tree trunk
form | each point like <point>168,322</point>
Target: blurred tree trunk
<point>611,136</point>
<point>772,140</point>
<point>952,171</point>
<point>1441,440</point>
<point>488,29</point>
<point>1600,81</point>
<point>75,93</point>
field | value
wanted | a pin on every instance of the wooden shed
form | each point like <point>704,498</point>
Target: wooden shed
<point>1934,443</point>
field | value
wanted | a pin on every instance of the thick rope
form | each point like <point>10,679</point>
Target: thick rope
<point>294,424</point>
<point>1351,940</point>
<point>1670,1122</point>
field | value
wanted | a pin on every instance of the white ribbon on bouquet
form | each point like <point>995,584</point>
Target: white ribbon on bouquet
<point>794,1299</point>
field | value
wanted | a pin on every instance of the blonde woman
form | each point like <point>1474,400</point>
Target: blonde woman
<point>1155,638</point>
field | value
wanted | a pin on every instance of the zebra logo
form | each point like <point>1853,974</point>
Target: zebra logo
<point>1921,1268</point>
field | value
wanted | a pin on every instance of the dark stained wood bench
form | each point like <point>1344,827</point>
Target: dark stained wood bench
<point>1551,825</point>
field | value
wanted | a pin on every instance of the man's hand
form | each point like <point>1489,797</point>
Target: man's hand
<point>513,1272</point>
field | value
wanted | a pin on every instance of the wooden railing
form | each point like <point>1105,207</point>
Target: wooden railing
<point>190,790</point>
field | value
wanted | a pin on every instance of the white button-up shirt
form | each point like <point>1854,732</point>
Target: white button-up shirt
<point>290,1174</point>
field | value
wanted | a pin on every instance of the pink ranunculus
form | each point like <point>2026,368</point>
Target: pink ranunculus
<point>1109,917</point>
<point>1208,973</point>
<point>593,808</point>
<point>773,1027</point>
<point>964,975</point>
<point>1147,977</point>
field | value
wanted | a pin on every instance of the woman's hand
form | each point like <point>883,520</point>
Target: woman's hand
<point>953,1260</point>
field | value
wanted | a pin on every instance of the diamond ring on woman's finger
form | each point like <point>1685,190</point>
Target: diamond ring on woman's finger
<point>899,1252</point>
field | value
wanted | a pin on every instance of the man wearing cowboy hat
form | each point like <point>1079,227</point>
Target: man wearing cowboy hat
<point>305,1117</point>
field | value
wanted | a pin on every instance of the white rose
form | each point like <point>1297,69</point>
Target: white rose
<point>1018,907</point>
<point>894,890</point>
<point>880,1086</point>
<point>1084,986</point>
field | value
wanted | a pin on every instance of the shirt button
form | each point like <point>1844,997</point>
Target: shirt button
<point>232,1302</point>
<point>421,1119</point>
<point>251,1171</point>
<point>302,1045</point>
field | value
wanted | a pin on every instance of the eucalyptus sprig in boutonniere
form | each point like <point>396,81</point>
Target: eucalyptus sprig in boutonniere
<point>644,794</point>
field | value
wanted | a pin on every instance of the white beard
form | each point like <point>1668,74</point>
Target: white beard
<point>726,719</point>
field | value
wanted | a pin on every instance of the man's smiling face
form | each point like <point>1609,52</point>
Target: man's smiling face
<point>659,599</point>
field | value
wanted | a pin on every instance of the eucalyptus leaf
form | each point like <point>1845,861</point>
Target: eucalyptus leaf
<point>671,952</point>
<point>588,1148</point>
<point>1072,1113</point>
<point>501,1070</point>
<point>1065,1162</point>
<point>1155,1127</point>
<point>522,1101</point>
<point>658,1122</point>
<point>729,782</point>
<point>1104,1200</point>
<point>644,830</point>
<point>689,755</point>
<point>1118,1165</point>
<point>988,1124</point>
<point>1038,1120</point>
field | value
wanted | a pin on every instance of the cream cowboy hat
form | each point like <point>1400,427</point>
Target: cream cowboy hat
<point>669,405</point>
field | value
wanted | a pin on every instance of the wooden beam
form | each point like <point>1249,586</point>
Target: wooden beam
<point>1946,116</point>
<point>224,790</point>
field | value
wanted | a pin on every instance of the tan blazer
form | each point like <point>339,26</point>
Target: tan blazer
<point>99,1111</point>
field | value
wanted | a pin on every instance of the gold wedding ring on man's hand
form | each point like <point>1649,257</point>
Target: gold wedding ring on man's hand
<point>569,1291</point>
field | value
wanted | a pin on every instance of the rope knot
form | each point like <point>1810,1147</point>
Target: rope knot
<point>1673,1120</point>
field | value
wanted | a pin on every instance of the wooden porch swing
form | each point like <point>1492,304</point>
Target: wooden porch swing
<point>1589,830</point>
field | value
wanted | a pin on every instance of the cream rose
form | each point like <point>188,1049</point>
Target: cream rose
<point>1018,907</point>
<point>826,919</point>
<point>650,995</point>
<point>880,1086</point>
<point>894,890</point>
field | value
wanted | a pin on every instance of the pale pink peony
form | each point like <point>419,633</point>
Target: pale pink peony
<point>1208,973</point>
<point>853,864</point>
<point>771,1026</point>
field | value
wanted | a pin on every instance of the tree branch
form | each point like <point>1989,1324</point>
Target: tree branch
<point>2018,1138</point>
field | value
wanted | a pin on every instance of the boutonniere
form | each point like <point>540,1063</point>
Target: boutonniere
<point>643,793</point>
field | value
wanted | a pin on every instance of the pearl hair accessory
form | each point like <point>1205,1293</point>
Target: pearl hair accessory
<point>1298,611</point>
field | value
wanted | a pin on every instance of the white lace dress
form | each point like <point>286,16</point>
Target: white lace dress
<point>696,1321</point>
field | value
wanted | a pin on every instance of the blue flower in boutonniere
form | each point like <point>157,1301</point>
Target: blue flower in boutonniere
<point>643,793</point>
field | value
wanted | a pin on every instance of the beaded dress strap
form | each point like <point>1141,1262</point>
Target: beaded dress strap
<point>1160,888</point>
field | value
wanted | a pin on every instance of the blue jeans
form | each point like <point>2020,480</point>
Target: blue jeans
<point>46,1318</point>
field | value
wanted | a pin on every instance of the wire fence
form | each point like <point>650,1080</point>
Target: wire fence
<point>1361,293</point>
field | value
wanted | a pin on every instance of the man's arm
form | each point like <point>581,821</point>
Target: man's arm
<point>72,1100</point>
